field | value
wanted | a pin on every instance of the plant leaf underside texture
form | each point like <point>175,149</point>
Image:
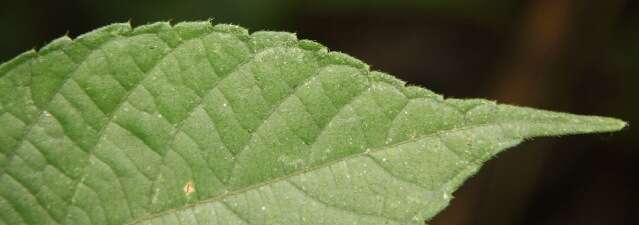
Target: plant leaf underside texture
<point>207,124</point>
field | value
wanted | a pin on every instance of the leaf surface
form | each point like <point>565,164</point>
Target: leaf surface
<point>207,124</point>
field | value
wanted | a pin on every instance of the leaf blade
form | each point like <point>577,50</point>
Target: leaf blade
<point>200,123</point>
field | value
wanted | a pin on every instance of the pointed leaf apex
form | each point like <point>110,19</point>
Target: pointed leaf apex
<point>598,124</point>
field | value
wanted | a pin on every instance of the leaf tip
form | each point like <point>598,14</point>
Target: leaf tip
<point>593,124</point>
<point>608,124</point>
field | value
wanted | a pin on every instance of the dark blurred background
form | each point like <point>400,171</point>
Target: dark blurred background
<point>580,56</point>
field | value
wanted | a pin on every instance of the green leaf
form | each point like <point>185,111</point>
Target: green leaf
<point>202,124</point>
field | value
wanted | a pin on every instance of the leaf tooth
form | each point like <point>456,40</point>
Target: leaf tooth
<point>190,30</point>
<point>268,39</point>
<point>345,59</point>
<point>93,38</point>
<point>16,61</point>
<point>387,78</point>
<point>55,45</point>
<point>466,105</point>
<point>152,28</point>
<point>312,45</point>
<point>104,34</point>
<point>419,92</point>
<point>232,29</point>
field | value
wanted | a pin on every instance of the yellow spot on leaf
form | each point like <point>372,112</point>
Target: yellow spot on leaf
<point>189,188</point>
